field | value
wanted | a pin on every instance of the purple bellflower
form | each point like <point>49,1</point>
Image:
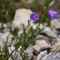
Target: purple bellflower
<point>34,16</point>
<point>53,14</point>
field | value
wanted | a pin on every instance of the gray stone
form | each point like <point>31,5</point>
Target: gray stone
<point>37,48</point>
<point>50,32</point>
<point>56,23</point>
<point>41,37</point>
<point>52,56</point>
<point>42,41</point>
<point>56,47</point>
<point>41,55</point>
<point>58,38</point>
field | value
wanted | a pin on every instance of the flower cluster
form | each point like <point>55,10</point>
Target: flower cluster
<point>23,15</point>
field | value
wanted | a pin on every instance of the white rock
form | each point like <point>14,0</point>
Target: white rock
<point>52,56</point>
<point>37,48</point>
<point>50,32</point>
<point>41,55</point>
<point>56,47</point>
<point>3,38</point>
<point>44,58</point>
<point>29,50</point>
<point>41,37</point>
<point>58,38</point>
<point>21,17</point>
<point>55,23</point>
<point>41,43</point>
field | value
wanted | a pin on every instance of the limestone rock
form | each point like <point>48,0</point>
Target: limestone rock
<point>50,32</point>
<point>58,38</point>
<point>21,18</point>
<point>52,56</point>
<point>3,38</point>
<point>56,23</point>
<point>42,41</point>
<point>56,47</point>
<point>41,55</point>
<point>37,48</point>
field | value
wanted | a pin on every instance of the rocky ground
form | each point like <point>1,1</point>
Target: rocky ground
<point>47,43</point>
<point>44,49</point>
